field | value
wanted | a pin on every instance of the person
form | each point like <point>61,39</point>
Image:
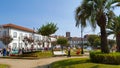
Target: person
<point>8,51</point>
<point>20,51</point>
<point>69,52</point>
<point>31,47</point>
<point>4,52</point>
<point>78,51</point>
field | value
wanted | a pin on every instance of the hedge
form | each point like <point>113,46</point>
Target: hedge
<point>111,58</point>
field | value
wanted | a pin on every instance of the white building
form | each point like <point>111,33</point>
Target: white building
<point>18,33</point>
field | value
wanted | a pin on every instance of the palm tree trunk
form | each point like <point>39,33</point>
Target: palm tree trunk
<point>118,42</point>
<point>101,21</point>
<point>104,43</point>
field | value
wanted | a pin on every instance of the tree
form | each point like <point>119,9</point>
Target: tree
<point>111,42</point>
<point>54,43</point>
<point>94,40</point>
<point>114,28</point>
<point>96,12</point>
<point>29,40</point>
<point>62,41</point>
<point>6,39</point>
<point>47,30</point>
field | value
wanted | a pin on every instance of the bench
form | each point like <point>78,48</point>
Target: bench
<point>59,53</point>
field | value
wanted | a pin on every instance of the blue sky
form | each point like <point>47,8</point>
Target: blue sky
<point>35,13</point>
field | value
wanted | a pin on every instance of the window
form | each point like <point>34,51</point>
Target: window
<point>30,35</point>
<point>21,35</point>
<point>20,45</point>
<point>74,42</point>
<point>14,46</point>
<point>4,33</point>
<point>36,37</point>
<point>15,35</point>
<point>25,35</point>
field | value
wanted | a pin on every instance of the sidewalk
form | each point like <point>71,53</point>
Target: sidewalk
<point>38,63</point>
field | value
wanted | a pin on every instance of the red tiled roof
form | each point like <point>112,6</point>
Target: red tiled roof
<point>17,27</point>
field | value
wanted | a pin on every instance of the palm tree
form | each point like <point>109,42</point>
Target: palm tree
<point>97,12</point>
<point>114,28</point>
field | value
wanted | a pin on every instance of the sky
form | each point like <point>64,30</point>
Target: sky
<point>35,13</point>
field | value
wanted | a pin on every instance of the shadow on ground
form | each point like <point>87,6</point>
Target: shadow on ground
<point>43,66</point>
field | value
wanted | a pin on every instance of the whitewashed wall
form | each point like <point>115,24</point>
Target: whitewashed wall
<point>20,36</point>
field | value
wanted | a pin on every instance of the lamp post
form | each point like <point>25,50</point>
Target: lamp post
<point>32,46</point>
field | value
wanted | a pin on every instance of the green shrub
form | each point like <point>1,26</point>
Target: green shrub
<point>112,58</point>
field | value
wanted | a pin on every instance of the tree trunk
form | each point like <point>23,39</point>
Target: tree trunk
<point>51,45</point>
<point>118,42</point>
<point>101,21</point>
<point>43,44</point>
<point>104,43</point>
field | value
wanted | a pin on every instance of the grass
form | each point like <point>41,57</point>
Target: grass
<point>4,66</point>
<point>31,55</point>
<point>38,54</point>
<point>80,63</point>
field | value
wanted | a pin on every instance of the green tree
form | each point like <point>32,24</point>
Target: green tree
<point>94,40</point>
<point>54,43</point>
<point>47,30</point>
<point>114,28</point>
<point>96,12</point>
<point>6,39</point>
<point>111,42</point>
<point>62,41</point>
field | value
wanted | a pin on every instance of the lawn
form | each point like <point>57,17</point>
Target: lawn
<point>38,54</point>
<point>4,66</point>
<point>31,55</point>
<point>80,63</point>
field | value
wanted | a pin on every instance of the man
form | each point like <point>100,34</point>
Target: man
<point>69,52</point>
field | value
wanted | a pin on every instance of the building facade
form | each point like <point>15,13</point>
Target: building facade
<point>18,34</point>
<point>75,41</point>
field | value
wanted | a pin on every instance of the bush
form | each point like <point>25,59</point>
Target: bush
<point>112,58</point>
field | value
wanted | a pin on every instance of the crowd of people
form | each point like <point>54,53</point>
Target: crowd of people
<point>5,51</point>
<point>8,51</point>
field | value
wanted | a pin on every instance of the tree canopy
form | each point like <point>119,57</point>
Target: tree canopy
<point>94,40</point>
<point>62,41</point>
<point>96,12</point>
<point>113,27</point>
<point>48,29</point>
